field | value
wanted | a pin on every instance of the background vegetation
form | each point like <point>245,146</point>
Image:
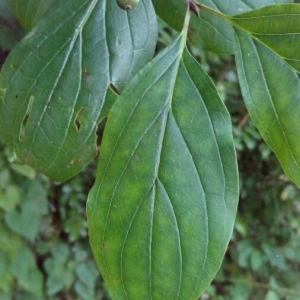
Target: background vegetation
<point>44,249</point>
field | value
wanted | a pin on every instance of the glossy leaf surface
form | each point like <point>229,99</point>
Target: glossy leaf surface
<point>162,209</point>
<point>209,32</point>
<point>53,85</point>
<point>271,90</point>
<point>29,12</point>
<point>277,27</point>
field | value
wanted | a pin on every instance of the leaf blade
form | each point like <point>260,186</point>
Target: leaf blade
<point>271,90</point>
<point>276,27</point>
<point>54,83</point>
<point>148,207</point>
<point>209,32</point>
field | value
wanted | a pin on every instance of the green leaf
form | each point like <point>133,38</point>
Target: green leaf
<point>4,178</point>
<point>9,243</point>
<point>59,269</point>
<point>53,84</point>
<point>271,91</point>
<point>32,208</point>
<point>28,13</point>
<point>162,209</point>
<point>9,198</point>
<point>27,273</point>
<point>272,295</point>
<point>24,170</point>
<point>87,275</point>
<point>256,260</point>
<point>6,283</point>
<point>277,27</point>
<point>209,32</point>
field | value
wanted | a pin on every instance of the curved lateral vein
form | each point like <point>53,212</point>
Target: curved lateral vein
<point>62,68</point>
<point>212,129</point>
<point>202,187</point>
<point>126,237</point>
<point>159,182</point>
<point>53,162</point>
<point>120,177</point>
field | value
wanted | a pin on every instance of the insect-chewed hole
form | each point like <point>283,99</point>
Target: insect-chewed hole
<point>114,88</point>
<point>26,119</point>
<point>100,133</point>
<point>78,122</point>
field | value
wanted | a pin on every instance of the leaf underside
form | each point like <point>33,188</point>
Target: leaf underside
<point>54,83</point>
<point>271,91</point>
<point>162,209</point>
<point>277,27</point>
<point>209,32</point>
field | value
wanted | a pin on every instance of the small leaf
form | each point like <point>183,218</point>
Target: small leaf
<point>272,295</point>
<point>27,273</point>
<point>9,198</point>
<point>34,205</point>
<point>256,260</point>
<point>271,91</point>
<point>277,27</point>
<point>209,32</point>
<point>24,170</point>
<point>56,266</point>
<point>9,243</point>
<point>162,209</point>
<point>28,13</point>
<point>54,83</point>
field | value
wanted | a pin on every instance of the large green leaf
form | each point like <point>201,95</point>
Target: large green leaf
<point>162,209</point>
<point>209,32</point>
<point>28,13</point>
<point>271,90</point>
<point>277,27</point>
<point>53,85</point>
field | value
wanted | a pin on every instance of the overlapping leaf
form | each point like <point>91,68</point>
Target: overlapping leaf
<point>163,206</point>
<point>28,13</point>
<point>277,27</point>
<point>271,90</point>
<point>209,32</point>
<point>53,85</point>
<point>267,54</point>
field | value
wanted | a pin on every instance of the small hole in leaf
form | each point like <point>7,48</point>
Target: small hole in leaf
<point>114,88</point>
<point>78,124</point>
<point>77,161</point>
<point>100,133</point>
<point>26,118</point>
<point>78,119</point>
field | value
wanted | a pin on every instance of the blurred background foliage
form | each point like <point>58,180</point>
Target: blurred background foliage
<point>44,249</point>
